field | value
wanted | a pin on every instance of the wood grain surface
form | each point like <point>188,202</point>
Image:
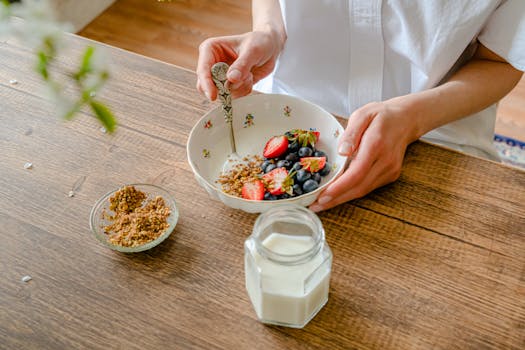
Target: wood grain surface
<point>170,31</point>
<point>434,261</point>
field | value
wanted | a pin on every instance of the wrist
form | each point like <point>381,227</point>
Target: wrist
<point>409,114</point>
<point>267,18</point>
<point>275,33</point>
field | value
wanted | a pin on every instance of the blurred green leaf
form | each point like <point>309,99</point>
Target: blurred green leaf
<point>86,59</point>
<point>104,75</point>
<point>85,64</point>
<point>86,95</point>
<point>73,111</point>
<point>41,66</point>
<point>46,53</point>
<point>104,115</point>
<point>49,48</point>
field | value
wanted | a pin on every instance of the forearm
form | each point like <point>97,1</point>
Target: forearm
<point>266,16</point>
<point>483,81</point>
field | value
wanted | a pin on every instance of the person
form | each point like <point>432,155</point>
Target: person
<point>401,70</point>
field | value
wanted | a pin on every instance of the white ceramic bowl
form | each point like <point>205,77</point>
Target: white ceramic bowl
<point>256,118</point>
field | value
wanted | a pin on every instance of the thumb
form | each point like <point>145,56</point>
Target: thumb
<point>241,68</point>
<point>351,138</point>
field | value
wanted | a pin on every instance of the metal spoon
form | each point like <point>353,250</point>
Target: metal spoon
<point>218,74</point>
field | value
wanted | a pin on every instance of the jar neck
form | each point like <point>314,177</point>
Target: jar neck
<point>296,224</point>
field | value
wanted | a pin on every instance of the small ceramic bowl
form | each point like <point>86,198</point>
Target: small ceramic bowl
<point>97,220</point>
<point>256,118</point>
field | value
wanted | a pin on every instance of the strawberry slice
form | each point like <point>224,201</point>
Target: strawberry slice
<point>313,164</point>
<point>253,190</point>
<point>317,135</point>
<point>278,181</point>
<point>275,146</point>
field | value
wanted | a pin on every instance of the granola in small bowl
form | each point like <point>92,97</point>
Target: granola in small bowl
<point>134,217</point>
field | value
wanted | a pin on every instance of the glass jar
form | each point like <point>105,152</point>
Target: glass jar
<point>287,266</point>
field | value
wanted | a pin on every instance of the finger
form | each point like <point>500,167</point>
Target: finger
<point>241,69</point>
<point>242,88</point>
<point>378,177</point>
<point>350,182</point>
<point>199,86</point>
<point>377,163</point>
<point>357,124</point>
<point>204,63</point>
<point>358,168</point>
<point>350,185</point>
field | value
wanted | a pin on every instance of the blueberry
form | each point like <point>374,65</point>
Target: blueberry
<point>293,147</point>
<point>318,153</point>
<point>310,185</point>
<point>270,167</point>
<point>297,166</point>
<point>316,177</point>
<point>284,164</point>
<point>305,152</point>
<point>284,196</point>
<point>292,157</point>
<point>302,175</point>
<point>264,164</point>
<point>326,170</point>
<point>297,189</point>
<point>269,197</point>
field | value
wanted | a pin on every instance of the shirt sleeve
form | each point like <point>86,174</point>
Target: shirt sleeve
<point>504,32</point>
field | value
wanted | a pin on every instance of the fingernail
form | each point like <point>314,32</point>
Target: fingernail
<point>315,207</point>
<point>324,199</point>
<point>345,147</point>
<point>234,74</point>
<point>207,93</point>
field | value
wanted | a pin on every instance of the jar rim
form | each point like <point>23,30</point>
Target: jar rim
<point>291,259</point>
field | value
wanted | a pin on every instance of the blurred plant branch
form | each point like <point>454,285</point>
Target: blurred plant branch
<point>45,35</point>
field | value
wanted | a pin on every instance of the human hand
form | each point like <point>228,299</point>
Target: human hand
<point>251,57</point>
<point>375,139</point>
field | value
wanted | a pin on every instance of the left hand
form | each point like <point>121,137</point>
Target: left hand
<point>378,133</point>
<point>376,139</point>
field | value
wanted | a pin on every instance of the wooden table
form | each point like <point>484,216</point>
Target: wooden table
<point>433,261</point>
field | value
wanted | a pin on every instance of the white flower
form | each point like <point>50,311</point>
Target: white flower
<point>34,9</point>
<point>61,103</point>
<point>39,23</point>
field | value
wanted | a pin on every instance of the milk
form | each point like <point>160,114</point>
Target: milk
<point>283,293</point>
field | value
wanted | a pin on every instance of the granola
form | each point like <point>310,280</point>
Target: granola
<point>135,222</point>
<point>233,180</point>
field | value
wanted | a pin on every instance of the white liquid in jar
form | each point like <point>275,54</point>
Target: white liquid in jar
<point>287,294</point>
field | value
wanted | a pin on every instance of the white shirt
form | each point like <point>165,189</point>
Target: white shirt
<point>344,54</point>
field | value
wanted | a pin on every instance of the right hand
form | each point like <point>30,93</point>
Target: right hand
<point>251,57</point>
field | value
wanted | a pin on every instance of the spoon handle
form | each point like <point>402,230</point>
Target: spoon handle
<point>218,74</point>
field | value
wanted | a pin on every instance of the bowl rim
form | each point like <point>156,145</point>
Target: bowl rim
<point>255,96</point>
<point>174,216</point>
